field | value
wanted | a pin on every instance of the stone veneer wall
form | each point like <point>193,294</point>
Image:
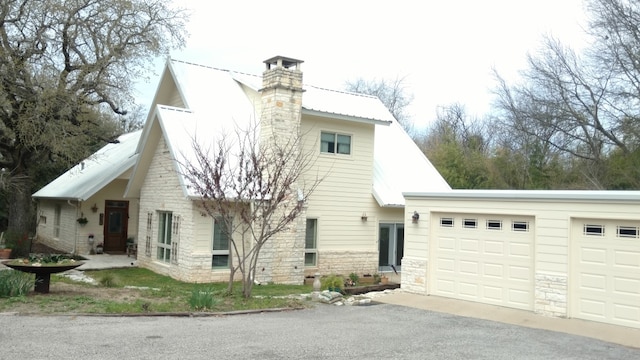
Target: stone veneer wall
<point>345,262</point>
<point>550,295</point>
<point>414,275</point>
<point>281,259</point>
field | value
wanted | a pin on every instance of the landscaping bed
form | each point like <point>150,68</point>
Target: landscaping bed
<point>357,290</point>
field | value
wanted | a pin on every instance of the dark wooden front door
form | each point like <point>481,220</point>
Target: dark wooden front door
<point>115,226</point>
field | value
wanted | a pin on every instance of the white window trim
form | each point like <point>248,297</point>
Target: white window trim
<point>164,232</point>
<point>218,252</point>
<point>311,250</point>
<point>336,133</point>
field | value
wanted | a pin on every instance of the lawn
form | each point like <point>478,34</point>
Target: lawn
<point>141,291</point>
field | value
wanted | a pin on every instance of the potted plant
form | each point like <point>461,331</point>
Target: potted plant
<point>376,278</point>
<point>384,279</point>
<point>5,250</point>
<point>82,220</point>
<point>99,248</point>
<point>352,280</point>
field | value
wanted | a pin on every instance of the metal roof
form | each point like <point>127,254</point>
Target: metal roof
<point>92,174</point>
<point>532,195</point>
<point>399,165</point>
<point>218,103</point>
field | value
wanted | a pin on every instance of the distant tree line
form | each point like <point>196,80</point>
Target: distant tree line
<point>572,121</point>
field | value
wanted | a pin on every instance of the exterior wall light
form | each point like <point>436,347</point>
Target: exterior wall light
<point>415,217</point>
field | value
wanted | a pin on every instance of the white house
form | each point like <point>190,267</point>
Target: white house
<point>91,190</point>
<point>558,253</point>
<point>354,221</point>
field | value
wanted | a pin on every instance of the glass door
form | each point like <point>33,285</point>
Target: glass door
<point>391,247</point>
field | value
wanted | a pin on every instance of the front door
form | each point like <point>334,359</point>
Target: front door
<point>115,226</point>
<point>391,250</point>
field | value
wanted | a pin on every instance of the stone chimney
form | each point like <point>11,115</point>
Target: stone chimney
<point>281,96</point>
<point>282,257</point>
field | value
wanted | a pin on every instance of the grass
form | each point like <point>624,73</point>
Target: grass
<point>139,291</point>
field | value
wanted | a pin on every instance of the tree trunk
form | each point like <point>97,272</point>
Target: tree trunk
<point>21,222</point>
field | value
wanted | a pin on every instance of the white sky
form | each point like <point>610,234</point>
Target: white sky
<point>446,49</point>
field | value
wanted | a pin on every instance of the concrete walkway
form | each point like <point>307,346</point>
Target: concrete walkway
<point>611,333</point>
<point>107,261</point>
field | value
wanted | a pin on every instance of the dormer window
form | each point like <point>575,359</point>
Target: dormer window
<point>334,143</point>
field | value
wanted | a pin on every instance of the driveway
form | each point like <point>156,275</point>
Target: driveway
<point>381,331</point>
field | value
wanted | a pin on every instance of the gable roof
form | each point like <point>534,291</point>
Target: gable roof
<point>95,172</point>
<point>399,165</point>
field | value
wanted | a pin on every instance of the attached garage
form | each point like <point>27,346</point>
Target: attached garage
<point>606,271</point>
<point>557,253</point>
<point>485,258</point>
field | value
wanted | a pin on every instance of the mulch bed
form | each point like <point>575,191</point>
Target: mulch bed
<point>38,248</point>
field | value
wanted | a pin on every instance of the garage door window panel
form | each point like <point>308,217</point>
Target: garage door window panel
<point>627,232</point>
<point>494,224</point>
<point>520,226</point>
<point>593,230</point>
<point>446,222</point>
<point>470,223</point>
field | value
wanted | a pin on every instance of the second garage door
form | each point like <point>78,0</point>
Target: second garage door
<point>606,271</point>
<point>482,258</point>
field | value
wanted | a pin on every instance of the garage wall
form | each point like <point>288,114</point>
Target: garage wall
<point>555,215</point>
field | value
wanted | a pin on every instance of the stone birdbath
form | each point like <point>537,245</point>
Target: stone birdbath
<point>43,267</point>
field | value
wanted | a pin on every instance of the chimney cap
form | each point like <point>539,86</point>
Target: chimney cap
<point>282,61</point>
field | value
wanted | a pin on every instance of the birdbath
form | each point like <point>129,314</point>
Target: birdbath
<point>42,271</point>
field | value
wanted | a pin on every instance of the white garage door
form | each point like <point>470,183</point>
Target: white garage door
<point>606,271</point>
<point>484,258</point>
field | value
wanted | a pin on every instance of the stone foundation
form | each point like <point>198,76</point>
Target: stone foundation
<point>345,263</point>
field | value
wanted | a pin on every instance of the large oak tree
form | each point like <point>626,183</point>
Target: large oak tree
<point>67,67</point>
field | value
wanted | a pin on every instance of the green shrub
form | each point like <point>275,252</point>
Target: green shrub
<point>332,283</point>
<point>15,283</point>
<point>108,280</point>
<point>376,278</point>
<point>354,278</point>
<point>203,299</point>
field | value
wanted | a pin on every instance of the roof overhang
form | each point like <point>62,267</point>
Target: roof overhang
<point>345,117</point>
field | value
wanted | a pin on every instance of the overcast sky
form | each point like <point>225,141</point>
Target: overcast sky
<point>445,49</point>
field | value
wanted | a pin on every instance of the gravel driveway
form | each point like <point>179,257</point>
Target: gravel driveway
<point>380,331</point>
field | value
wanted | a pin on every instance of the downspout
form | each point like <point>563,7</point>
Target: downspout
<point>75,231</point>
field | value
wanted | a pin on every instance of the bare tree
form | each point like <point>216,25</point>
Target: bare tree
<point>392,93</point>
<point>584,105</point>
<point>64,66</point>
<point>257,189</point>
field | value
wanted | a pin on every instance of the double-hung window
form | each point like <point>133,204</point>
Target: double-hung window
<point>334,143</point>
<point>220,248</point>
<point>310,243</point>
<point>164,236</point>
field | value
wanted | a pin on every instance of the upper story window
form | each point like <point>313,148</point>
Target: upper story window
<point>334,143</point>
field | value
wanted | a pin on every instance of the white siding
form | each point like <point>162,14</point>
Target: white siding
<point>345,193</point>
